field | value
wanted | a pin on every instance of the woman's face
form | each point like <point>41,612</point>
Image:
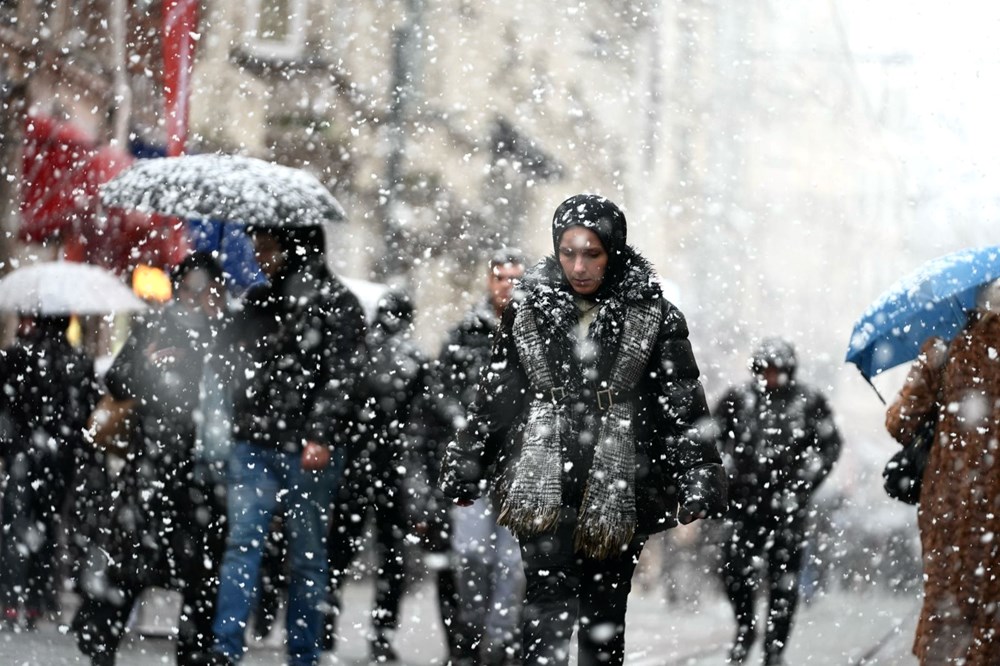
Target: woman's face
<point>583,259</point>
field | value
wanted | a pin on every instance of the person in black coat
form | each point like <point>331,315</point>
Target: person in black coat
<point>299,346</point>
<point>779,443</point>
<point>486,558</point>
<point>395,378</point>
<point>165,524</point>
<point>49,390</point>
<point>584,428</point>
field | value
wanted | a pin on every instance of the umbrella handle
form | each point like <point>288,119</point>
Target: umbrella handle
<point>873,386</point>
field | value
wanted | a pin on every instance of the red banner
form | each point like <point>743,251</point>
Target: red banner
<point>180,23</point>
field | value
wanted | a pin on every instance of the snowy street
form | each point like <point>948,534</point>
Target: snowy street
<point>839,628</point>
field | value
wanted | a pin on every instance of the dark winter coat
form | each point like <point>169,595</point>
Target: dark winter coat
<point>779,445</point>
<point>300,345</point>
<point>959,515</point>
<point>453,379</point>
<point>49,390</point>
<point>394,379</point>
<point>671,466</point>
<point>460,364</point>
<point>151,532</point>
<point>394,384</point>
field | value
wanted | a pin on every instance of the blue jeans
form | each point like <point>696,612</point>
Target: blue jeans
<point>260,480</point>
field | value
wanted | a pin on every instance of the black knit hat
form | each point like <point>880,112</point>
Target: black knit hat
<point>593,212</point>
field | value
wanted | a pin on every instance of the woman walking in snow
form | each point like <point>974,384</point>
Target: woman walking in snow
<point>583,429</point>
<point>959,513</point>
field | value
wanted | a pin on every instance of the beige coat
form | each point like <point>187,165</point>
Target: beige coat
<point>959,513</point>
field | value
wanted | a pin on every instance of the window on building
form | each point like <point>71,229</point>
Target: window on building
<point>275,28</point>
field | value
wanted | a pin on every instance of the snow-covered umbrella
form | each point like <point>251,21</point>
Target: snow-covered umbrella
<point>232,188</point>
<point>63,288</point>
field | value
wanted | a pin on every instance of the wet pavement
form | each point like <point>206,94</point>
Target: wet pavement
<point>837,628</point>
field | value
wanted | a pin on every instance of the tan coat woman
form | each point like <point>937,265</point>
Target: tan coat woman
<point>959,512</point>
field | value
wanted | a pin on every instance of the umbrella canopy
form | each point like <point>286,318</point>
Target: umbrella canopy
<point>935,300</point>
<point>223,187</point>
<point>63,288</point>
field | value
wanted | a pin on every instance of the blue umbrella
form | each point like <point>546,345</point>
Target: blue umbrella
<point>935,300</point>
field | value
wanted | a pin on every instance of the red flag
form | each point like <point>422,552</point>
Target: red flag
<point>180,22</point>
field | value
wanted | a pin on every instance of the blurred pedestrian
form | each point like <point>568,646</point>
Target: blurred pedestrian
<point>299,347</point>
<point>583,428</point>
<point>779,442</point>
<point>955,387</point>
<point>394,379</point>
<point>487,570</point>
<point>166,527</point>
<point>49,390</point>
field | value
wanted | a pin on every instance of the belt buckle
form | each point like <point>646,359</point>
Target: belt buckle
<point>600,400</point>
<point>558,393</point>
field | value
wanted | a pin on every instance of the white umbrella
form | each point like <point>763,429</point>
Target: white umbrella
<point>231,188</point>
<point>65,287</point>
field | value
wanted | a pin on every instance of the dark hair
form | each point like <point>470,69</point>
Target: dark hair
<point>196,261</point>
<point>507,255</point>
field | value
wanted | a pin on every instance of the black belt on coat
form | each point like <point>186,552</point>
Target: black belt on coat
<point>604,398</point>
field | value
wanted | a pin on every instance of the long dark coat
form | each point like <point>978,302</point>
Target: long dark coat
<point>671,465</point>
<point>959,513</point>
<point>146,532</point>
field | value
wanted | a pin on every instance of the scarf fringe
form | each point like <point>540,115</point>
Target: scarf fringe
<point>528,521</point>
<point>601,541</point>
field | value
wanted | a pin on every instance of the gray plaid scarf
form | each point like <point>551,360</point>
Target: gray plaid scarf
<point>607,516</point>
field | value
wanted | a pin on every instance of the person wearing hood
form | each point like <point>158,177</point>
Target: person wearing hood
<point>779,442</point>
<point>164,526</point>
<point>584,429</point>
<point>49,389</point>
<point>955,387</point>
<point>299,344</point>
<point>395,379</point>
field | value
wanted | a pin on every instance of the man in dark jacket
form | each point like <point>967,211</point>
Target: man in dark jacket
<point>395,379</point>
<point>779,442</point>
<point>299,348</point>
<point>488,568</point>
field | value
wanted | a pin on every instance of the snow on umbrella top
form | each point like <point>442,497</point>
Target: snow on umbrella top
<point>223,187</point>
<point>63,288</point>
<point>934,300</point>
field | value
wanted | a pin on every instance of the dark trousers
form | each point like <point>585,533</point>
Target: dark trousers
<point>565,588</point>
<point>779,543</point>
<point>100,622</point>
<point>32,507</point>
<point>359,494</point>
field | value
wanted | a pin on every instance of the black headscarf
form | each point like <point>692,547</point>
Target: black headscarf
<point>607,221</point>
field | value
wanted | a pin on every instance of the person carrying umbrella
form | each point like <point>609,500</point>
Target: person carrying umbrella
<point>584,427</point>
<point>779,442</point>
<point>166,523</point>
<point>955,387</point>
<point>49,390</point>
<point>299,345</point>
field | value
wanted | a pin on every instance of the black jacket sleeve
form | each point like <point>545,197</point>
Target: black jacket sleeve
<point>333,410</point>
<point>499,402</point>
<point>683,411</point>
<point>823,444</point>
